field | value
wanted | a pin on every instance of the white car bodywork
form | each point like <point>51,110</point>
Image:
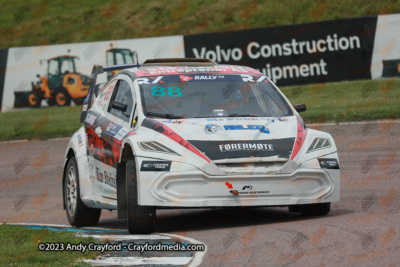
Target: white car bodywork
<point>197,181</point>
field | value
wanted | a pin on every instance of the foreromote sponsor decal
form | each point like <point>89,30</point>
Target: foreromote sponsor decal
<point>282,148</point>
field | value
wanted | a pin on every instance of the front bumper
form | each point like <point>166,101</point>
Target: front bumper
<point>194,188</point>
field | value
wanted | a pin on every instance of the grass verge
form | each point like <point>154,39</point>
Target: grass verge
<point>19,246</point>
<point>41,22</point>
<point>348,101</point>
<point>341,101</point>
<point>42,123</point>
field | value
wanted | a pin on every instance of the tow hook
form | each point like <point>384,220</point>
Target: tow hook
<point>235,192</point>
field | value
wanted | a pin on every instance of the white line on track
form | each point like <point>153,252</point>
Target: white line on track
<point>118,237</point>
<point>198,255</point>
<point>112,261</point>
<point>195,261</point>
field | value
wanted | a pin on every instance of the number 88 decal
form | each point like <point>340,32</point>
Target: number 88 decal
<point>160,91</point>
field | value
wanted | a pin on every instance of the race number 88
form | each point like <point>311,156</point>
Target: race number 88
<point>172,91</point>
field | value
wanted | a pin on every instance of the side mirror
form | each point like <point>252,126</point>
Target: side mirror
<point>300,107</point>
<point>97,88</point>
<point>119,106</point>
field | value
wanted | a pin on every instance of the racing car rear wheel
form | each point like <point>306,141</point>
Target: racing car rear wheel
<point>316,209</point>
<point>78,214</point>
<point>141,219</point>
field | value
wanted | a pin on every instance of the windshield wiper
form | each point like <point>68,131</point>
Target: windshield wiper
<point>164,115</point>
<point>243,115</point>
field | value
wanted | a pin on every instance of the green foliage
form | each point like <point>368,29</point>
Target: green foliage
<point>28,23</point>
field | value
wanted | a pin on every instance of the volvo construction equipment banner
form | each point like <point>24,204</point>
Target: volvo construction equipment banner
<point>297,54</point>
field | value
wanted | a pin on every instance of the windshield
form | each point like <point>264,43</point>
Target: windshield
<point>205,95</point>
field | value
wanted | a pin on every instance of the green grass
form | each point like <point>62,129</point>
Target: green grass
<point>341,101</point>
<point>35,22</point>
<point>19,247</point>
<point>348,101</point>
<point>42,123</point>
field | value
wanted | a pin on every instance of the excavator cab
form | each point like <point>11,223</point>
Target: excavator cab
<point>57,67</point>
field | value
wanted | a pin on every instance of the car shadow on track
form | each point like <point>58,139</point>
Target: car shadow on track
<point>170,221</point>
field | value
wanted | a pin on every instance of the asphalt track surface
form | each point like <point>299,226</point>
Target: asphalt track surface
<point>362,229</point>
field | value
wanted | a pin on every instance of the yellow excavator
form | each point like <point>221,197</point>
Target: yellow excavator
<point>61,85</point>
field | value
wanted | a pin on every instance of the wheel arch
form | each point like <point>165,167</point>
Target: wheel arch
<point>127,153</point>
<point>76,148</point>
<point>69,155</point>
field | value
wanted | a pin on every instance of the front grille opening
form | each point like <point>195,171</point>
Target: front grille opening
<point>252,167</point>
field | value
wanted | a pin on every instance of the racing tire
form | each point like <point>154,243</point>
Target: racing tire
<point>318,209</point>
<point>34,100</point>
<point>78,214</point>
<point>141,219</point>
<point>62,98</point>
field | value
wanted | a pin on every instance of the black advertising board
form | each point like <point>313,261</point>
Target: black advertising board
<point>297,54</point>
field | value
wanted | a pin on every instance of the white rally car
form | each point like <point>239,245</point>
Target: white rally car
<point>176,133</point>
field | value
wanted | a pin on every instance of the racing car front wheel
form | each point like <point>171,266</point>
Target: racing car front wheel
<point>141,219</point>
<point>317,209</point>
<point>78,214</point>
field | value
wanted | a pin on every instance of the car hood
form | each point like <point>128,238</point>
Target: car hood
<point>222,138</point>
<point>253,128</point>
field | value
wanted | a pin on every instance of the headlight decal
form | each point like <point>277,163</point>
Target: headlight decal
<point>319,143</point>
<point>165,130</point>
<point>154,146</point>
<point>301,136</point>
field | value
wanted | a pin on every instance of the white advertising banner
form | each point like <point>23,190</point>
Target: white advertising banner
<point>386,54</point>
<point>55,64</point>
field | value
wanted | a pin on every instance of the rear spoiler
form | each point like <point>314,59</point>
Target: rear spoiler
<point>98,69</point>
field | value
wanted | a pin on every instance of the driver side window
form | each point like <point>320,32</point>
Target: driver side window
<point>122,95</point>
